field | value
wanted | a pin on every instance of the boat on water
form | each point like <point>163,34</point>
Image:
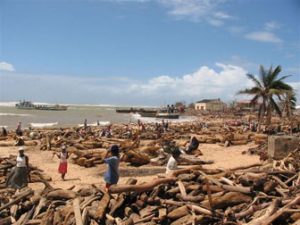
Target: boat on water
<point>136,110</point>
<point>29,105</point>
<point>167,115</point>
<point>148,113</point>
<point>163,114</point>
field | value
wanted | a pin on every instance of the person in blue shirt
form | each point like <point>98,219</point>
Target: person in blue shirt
<point>111,176</point>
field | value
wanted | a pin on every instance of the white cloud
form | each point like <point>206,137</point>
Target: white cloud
<point>296,86</point>
<point>4,66</point>
<point>222,15</point>
<point>271,25</point>
<point>204,83</point>
<point>215,22</point>
<point>242,62</point>
<point>221,82</point>
<point>197,10</point>
<point>263,36</point>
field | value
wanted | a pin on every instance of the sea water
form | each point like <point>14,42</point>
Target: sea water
<point>73,116</point>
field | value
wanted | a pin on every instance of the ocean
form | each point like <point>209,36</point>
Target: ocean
<point>73,116</point>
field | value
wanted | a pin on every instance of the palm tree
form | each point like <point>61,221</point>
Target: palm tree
<point>289,103</point>
<point>266,87</point>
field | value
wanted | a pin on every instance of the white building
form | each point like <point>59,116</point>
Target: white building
<point>210,105</point>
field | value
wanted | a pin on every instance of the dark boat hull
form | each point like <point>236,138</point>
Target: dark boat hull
<point>148,114</point>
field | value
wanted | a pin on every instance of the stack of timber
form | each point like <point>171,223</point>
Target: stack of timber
<point>262,194</point>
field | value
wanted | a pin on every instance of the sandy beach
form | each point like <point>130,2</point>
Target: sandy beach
<point>223,158</point>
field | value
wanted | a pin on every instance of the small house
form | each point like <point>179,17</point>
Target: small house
<point>210,105</point>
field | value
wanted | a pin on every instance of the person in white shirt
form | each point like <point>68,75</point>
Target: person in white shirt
<point>172,162</point>
<point>19,175</point>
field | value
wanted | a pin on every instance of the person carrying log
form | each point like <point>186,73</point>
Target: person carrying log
<point>63,164</point>
<point>19,175</point>
<point>111,176</point>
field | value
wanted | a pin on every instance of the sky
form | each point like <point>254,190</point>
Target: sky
<point>143,52</point>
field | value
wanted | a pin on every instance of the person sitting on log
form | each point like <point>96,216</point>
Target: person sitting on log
<point>111,176</point>
<point>172,162</point>
<point>63,164</point>
<point>19,175</point>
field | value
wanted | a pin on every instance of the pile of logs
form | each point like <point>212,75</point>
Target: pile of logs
<point>254,195</point>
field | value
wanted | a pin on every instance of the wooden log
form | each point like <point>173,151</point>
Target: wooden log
<point>226,200</point>
<point>280,211</point>
<point>77,213</point>
<point>178,212</point>
<point>251,210</point>
<point>99,213</point>
<point>33,222</point>
<point>141,187</point>
<point>162,214</point>
<point>121,197</point>
<point>61,194</point>
<point>20,197</point>
<point>296,222</point>
<point>6,221</point>
<point>42,203</point>
<point>28,216</point>
<point>261,220</point>
<point>186,170</point>
<point>188,220</point>
<point>200,210</point>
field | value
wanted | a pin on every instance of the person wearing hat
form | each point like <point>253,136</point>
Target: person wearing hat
<point>63,164</point>
<point>111,176</point>
<point>19,176</point>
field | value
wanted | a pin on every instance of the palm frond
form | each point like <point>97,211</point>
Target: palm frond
<point>254,100</point>
<point>255,80</point>
<point>275,106</point>
<point>273,74</point>
<point>250,91</point>
<point>263,75</point>
<point>284,77</point>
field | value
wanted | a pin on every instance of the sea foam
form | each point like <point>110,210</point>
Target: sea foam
<point>101,123</point>
<point>42,125</point>
<point>14,114</point>
<point>181,119</point>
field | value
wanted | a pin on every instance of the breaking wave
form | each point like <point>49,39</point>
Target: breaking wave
<point>101,123</point>
<point>14,114</point>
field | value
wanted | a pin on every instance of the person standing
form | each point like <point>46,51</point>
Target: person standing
<point>85,124</point>
<point>63,164</point>
<point>19,176</point>
<point>19,131</point>
<point>111,176</point>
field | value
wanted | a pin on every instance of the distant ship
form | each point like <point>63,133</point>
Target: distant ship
<point>29,105</point>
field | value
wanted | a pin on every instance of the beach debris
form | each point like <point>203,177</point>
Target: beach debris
<point>259,194</point>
